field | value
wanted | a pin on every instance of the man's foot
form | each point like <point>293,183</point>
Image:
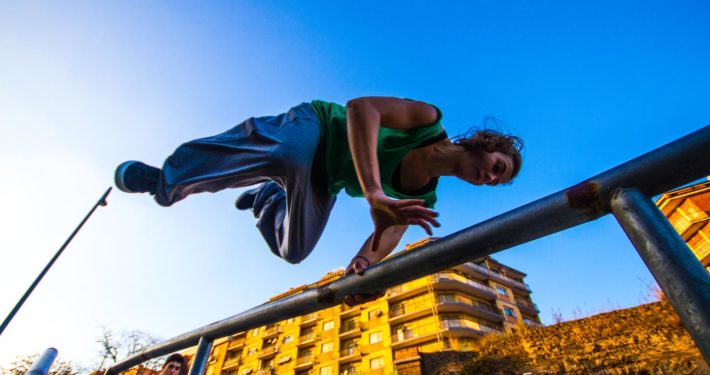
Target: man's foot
<point>246,200</point>
<point>256,198</point>
<point>136,177</point>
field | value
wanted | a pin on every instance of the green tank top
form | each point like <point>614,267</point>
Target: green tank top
<point>333,158</point>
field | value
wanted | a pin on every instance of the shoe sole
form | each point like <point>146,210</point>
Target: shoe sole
<point>118,176</point>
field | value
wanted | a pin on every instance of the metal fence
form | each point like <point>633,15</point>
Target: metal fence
<point>625,191</point>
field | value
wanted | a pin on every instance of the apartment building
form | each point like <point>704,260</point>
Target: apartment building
<point>688,210</point>
<point>446,310</point>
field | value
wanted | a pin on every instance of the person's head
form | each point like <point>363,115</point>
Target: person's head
<point>494,157</point>
<point>174,365</point>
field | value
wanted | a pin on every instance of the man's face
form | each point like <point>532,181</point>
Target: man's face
<point>172,368</point>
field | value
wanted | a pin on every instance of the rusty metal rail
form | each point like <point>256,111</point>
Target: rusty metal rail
<point>626,190</point>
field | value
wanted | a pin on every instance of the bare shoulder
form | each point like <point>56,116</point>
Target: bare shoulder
<point>396,112</point>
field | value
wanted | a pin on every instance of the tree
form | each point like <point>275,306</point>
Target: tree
<point>116,346</point>
<point>21,365</point>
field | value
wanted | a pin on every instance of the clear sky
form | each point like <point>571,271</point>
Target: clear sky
<point>87,85</point>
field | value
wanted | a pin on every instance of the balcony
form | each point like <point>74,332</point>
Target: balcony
<point>309,319</point>
<point>406,355</point>
<point>416,335</point>
<point>347,311</point>
<point>471,267</point>
<point>271,332</point>
<point>409,289</point>
<point>307,339</point>
<point>527,307</point>
<point>407,311</point>
<point>268,352</point>
<point>350,370</point>
<point>467,326</point>
<point>450,280</point>
<point>231,362</point>
<point>458,304</point>
<point>304,362</point>
<point>236,343</point>
<point>349,329</point>
<point>350,354</point>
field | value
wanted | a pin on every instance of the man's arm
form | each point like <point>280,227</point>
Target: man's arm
<point>367,257</point>
<point>365,116</point>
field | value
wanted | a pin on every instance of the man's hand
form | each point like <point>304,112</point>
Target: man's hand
<point>387,212</point>
<point>358,266</point>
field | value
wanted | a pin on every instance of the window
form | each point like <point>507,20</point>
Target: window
<point>255,332</point>
<point>502,291</point>
<point>509,312</point>
<point>267,363</point>
<point>328,325</point>
<point>233,354</point>
<point>290,320</point>
<point>288,339</point>
<point>305,354</point>
<point>376,363</point>
<point>375,337</point>
<point>374,314</point>
<point>252,351</point>
<point>327,370</point>
<point>326,347</point>
<point>350,369</point>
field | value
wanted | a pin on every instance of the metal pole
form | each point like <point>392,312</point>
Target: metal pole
<point>43,363</point>
<point>199,363</point>
<point>678,272</point>
<point>101,202</point>
<point>655,172</point>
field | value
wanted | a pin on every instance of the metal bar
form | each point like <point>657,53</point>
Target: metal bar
<point>677,163</point>
<point>101,202</point>
<point>43,363</point>
<point>199,363</point>
<point>678,272</point>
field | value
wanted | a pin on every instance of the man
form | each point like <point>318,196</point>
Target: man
<point>174,365</point>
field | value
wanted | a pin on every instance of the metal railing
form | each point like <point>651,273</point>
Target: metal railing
<point>624,190</point>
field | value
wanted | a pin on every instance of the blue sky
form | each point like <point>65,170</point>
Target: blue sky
<point>87,85</point>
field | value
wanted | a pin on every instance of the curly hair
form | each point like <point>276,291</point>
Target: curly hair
<point>489,140</point>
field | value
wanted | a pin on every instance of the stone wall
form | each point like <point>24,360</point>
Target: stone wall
<point>647,339</point>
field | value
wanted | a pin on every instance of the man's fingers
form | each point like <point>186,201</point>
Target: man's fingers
<point>418,210</point>
<point>422,223</point>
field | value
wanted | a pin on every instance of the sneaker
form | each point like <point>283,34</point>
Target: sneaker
<point>136,177</point>
<point>246,200</point>
<point>256,198</point>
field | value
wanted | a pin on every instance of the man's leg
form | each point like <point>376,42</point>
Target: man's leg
<point>291,223</point>
<point>292,210</point>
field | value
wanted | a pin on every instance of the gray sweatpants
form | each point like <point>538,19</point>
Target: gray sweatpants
<point>273,149</point>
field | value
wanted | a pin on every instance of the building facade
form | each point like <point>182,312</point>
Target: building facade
<point>445,311</point>
<point>688,210</point>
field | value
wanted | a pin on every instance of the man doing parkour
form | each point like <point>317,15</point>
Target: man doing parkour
<point>390,151</point>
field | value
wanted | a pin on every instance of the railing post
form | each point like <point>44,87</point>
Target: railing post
<point>199,363</point>
<point>43,363</point>
<point>678,272</point>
